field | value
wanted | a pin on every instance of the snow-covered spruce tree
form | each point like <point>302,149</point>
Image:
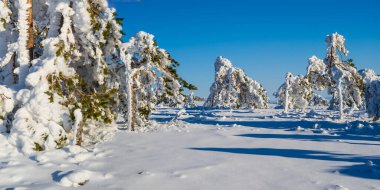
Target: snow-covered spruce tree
<point>57,61</point>
<point>372,93</point>
<point>234,89</point>
<point>150,78</point>
<point>346,85</point>
<point>295,93</point>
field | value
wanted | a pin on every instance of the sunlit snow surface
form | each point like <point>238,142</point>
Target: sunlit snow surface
<point>213,149</point>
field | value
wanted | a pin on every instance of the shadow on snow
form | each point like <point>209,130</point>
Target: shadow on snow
<point>304,137</point>
<point>360,169</point>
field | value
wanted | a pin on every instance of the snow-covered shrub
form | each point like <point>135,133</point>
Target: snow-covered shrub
<point>149,77</point>
<point>190,101</point>
<point>295,93</point>
<point>234,89</point>
<point>58,61</point>
<point>372,93</point>
<point>318,100</point>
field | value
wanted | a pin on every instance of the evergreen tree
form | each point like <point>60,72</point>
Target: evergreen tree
<point>372,93</point>
<point>150,78</point>
<point>340,77</point>
<point>295,93</point>
<point>58,61</point>
<point>234,89</point>
<point>346,85</point>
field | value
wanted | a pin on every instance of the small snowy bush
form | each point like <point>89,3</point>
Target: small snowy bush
<point>234,89</point>
<point>189,101</point>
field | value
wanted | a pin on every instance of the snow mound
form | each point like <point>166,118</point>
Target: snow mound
<point>299,128</point>
<point>337,187</point>
<point>75,178</point>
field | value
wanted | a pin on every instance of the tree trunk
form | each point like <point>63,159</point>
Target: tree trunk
<point>25,51</point>
<point>287,89</point>
<point>130,104</point>
<point>131,101</point>
<point>30,42</point>
<point>340,96</point>
<point>133,112</point>
<point>79,134</point>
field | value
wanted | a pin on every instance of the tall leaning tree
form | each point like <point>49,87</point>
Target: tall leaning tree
<point>346,87</point>
<point>57,71</point>
<point>338,75</point>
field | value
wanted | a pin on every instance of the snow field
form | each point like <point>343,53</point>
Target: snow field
<point>211,149</point>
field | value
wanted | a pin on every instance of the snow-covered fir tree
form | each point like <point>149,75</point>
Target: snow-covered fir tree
<point>56,63</point>
<point>295,93</point>
<point>234,89</point>
<point>150,78</point>
<point>372,93</point>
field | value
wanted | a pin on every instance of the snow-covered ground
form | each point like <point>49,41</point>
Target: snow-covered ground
<point>213,149</point>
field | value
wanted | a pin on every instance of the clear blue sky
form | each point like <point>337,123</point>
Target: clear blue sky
<point>266,38</point>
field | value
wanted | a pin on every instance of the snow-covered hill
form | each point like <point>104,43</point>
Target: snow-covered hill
<point>212,149</point>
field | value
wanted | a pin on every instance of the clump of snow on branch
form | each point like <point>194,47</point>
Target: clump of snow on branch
<point>234,89</point>
<point>4,15</point>
<point>317,73</point>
